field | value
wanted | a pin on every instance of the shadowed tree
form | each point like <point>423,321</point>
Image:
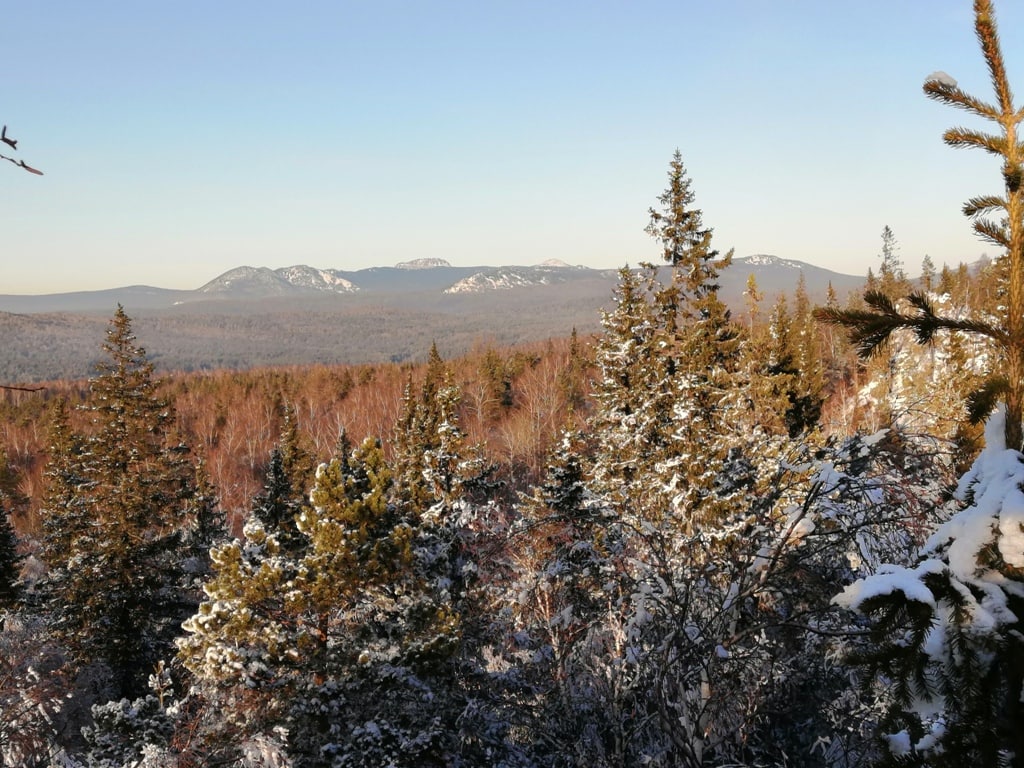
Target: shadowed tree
<point>9,561</point>
<point>115,518</point>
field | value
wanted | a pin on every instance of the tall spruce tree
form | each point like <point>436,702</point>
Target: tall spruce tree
<point>891,277</point>
<point>115,514</point>
<point>567,547</point>
<point>670,400</point>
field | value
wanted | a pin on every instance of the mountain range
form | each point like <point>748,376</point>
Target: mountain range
<point>424,277</point>
<point>255,316</point>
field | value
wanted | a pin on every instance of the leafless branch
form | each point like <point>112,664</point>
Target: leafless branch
<point>13,144</point>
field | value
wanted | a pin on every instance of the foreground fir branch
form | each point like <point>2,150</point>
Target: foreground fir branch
<point>945,647</point>
<point>869,329</point>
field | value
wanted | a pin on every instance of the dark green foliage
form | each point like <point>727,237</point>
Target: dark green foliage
<point>870,328</point>
<point>571,379</point>
<point>417,433</point>
<point>289,476</point>
<point>10,561</point>
<point>297,459</point>
<point>207,524</point>
<point>277,505</point>
<point>117,512</point>
<point>982,401</point>
<point>952,638</point>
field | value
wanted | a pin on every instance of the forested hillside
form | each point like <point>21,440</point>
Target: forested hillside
<point>783,536</point>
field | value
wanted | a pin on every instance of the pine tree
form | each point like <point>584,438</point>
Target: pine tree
<point>116,517</point>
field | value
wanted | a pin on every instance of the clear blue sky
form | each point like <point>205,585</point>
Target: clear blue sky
<point>182,139</point>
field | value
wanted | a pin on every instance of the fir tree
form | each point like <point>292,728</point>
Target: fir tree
<point>686,243</point>
<point>571,379</point>
<point>927,274</point>
<point>277,506</point>
<point>297,460</point>
<point>416,432</point>
<point>671,399</point>
<point>10,558</point>
<point>810,398</point>
<point>753,297</point>
<point>891,277</point>
<point>116,517</point>
<point>207,523</point>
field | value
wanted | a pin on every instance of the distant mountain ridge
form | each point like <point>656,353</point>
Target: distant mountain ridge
<point>430,277</point>
<point>263,282</point>
<point>257,316</point>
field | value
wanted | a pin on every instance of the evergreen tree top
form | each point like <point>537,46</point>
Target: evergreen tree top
<point>685,241</point>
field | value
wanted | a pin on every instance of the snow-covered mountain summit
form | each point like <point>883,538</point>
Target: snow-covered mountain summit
<point>550,272</point>
<point>422,264</point>
<point>765,260</point>
<point>302,276</point>
<point>263,281</point>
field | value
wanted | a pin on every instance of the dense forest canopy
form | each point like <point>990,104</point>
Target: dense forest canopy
<point>768,534</point>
